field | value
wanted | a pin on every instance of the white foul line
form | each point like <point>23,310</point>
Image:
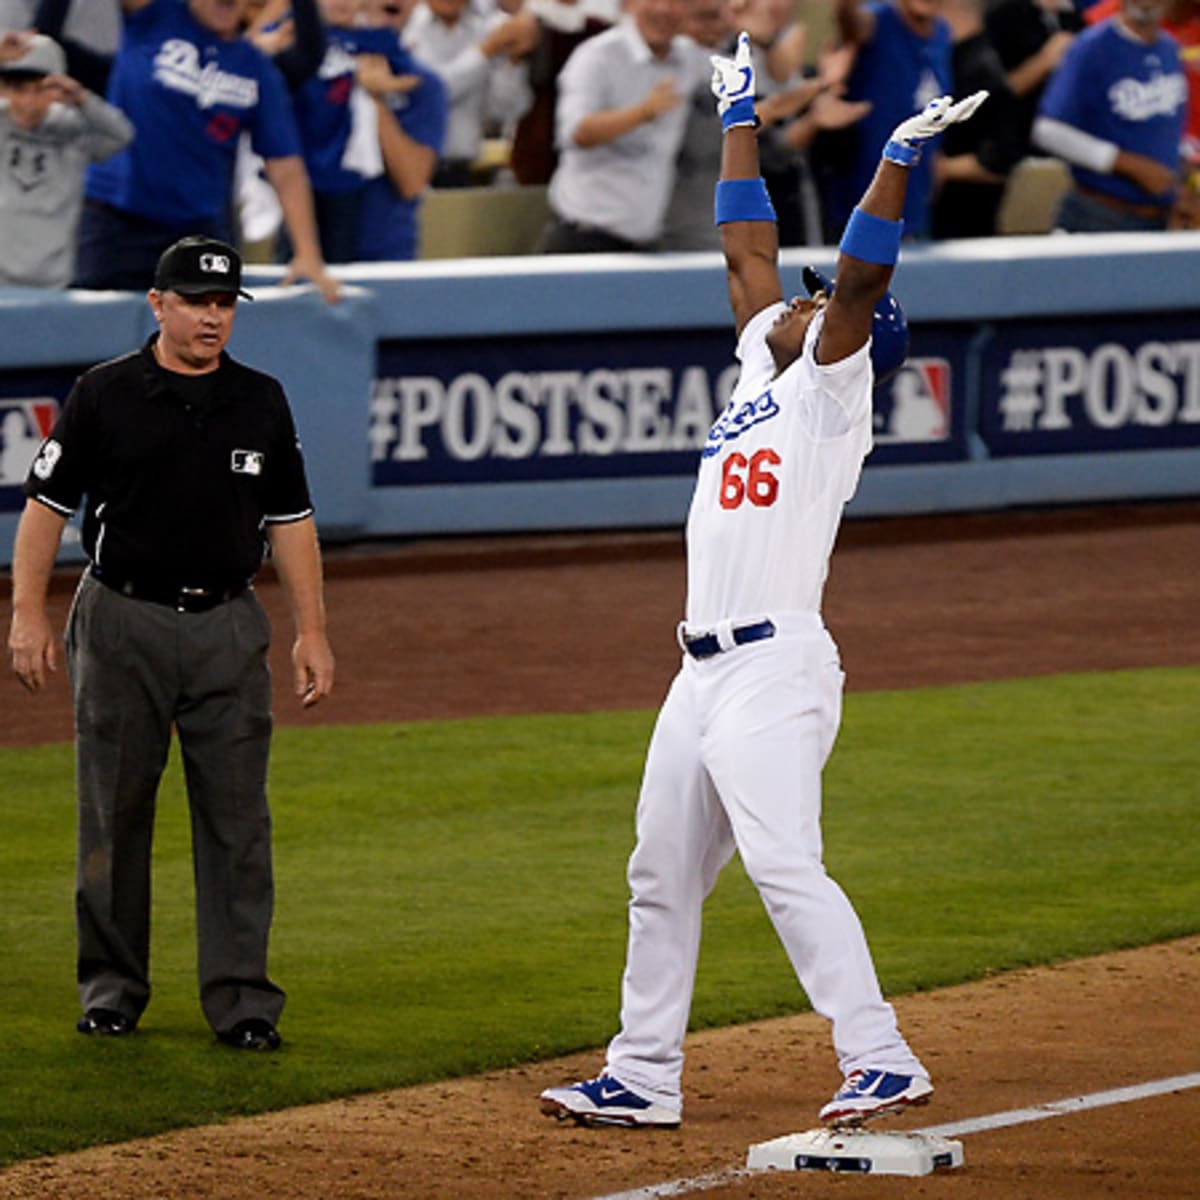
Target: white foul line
<point>1060,1108</point>
<point>1015,1116</point>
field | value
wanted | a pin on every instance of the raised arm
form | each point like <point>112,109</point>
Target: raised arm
<point>749,236</point>
<point>870,244</point>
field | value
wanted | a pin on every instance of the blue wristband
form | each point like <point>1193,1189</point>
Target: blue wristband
<point>902,155</point>
<point>740,112</point>
<point>742,200</point>
<point>871,238</point>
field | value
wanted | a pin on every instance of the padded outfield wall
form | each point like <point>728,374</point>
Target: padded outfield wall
<point>495,395</point>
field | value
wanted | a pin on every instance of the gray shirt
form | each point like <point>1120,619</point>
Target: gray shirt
<point>621,187</point>
<point>41,187</point>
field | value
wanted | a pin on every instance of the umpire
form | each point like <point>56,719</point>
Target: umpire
<point>191,467</point>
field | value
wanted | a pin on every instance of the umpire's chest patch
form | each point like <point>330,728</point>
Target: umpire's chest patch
<point>248,462</point>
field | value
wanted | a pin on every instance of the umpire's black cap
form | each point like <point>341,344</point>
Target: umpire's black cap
<point>195,265</point>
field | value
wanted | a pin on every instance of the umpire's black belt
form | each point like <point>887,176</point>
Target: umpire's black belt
<point>705,645</point>
<point>182,598</point>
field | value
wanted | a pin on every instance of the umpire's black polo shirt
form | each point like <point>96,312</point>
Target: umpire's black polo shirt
<point>181,472</point>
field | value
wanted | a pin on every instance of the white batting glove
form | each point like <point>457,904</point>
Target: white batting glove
<point>909,137</point>
<point>733,86</point>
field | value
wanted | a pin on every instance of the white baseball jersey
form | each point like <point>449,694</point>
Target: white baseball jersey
<point>779,465</point>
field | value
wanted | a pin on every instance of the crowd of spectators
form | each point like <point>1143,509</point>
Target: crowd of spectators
<point>308,131</point>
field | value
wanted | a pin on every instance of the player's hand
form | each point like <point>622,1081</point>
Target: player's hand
<point>909,137</point>
<point>733,85</point>
<point>936,117</point>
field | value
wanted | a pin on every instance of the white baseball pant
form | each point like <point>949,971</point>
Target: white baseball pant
<point>735,762</point>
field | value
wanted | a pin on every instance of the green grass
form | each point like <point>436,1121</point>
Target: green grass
<point>451,896</point>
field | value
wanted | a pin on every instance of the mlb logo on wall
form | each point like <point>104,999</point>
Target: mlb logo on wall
<point>920,404</point>
<point>24,424</point>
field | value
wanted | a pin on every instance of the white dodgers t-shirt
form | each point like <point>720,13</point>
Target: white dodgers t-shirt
<point>779,465</point>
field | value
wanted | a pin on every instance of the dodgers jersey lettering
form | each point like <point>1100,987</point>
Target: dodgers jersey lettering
<point>189,94</point>
<point>779,465</point>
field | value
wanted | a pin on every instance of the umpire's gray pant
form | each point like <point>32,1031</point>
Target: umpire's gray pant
<point>136,668</point>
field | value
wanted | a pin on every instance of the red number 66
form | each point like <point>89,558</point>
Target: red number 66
<point>759,486</point>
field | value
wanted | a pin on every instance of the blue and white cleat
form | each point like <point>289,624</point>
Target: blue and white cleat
<point>605,1101</point>
<point>869,1094</point>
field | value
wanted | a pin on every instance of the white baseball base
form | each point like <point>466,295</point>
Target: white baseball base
<point>855,1150</point>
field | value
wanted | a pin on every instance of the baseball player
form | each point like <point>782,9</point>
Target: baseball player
<point>736,757</point>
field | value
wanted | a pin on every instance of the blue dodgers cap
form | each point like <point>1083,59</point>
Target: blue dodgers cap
<point>889,327</point>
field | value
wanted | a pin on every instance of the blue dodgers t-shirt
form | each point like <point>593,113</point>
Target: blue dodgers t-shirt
<point>1123,91</point>
<point>189,94</point>
<point>322,104</point>
<point>389,221</point>
<point>899,72</point>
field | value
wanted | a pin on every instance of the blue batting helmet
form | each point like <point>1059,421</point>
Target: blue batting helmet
<point>889,328</point>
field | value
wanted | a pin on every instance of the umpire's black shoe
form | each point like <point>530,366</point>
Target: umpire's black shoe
<point>104,1022</point>
<point>253,1033</point>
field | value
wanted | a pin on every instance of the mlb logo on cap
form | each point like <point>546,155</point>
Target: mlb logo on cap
<point>196,265</point>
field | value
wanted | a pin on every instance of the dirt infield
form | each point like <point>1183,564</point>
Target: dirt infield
<point>472,627</point>
<point>1019,1039</point>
